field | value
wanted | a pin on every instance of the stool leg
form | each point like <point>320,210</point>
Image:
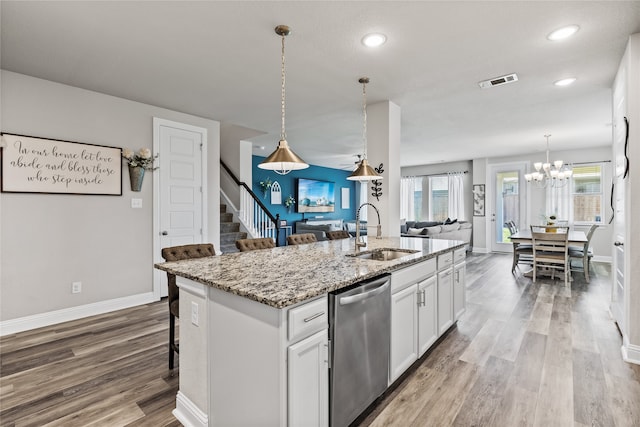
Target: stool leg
<point>172,337</point>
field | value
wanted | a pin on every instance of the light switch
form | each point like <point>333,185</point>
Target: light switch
<point>136,203</point>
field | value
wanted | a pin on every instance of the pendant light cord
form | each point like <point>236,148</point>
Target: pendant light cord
<point>283,134</point>
<point>364,121</point>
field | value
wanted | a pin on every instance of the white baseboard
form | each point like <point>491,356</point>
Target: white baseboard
<point>480,250</point>
<point>188,413</point>
<point>630,352</point>
<point>73,313</point>
<point>600,258</point>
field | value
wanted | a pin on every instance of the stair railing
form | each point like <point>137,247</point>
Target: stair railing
<point>253,213</point>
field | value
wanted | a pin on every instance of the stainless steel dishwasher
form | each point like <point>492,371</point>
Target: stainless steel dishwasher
<point>359,332</point>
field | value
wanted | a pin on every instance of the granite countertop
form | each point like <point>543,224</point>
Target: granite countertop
<point>287,275</point>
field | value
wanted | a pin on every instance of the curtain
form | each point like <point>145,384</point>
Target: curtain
<point>558,203</point>
<point>456,196</point>
<point>364,191</point>
<point>407,189</point>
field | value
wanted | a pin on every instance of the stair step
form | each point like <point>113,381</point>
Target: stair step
<point>230,238</point>
<point>229,227</point>
<point>226,217</point>
<point>223,207</point>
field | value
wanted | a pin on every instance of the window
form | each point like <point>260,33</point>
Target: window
<point>439,198</point>
<point>587,195</point>
<point>428,198</point>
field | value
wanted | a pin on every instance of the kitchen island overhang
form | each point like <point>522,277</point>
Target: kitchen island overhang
<point>236,359</point>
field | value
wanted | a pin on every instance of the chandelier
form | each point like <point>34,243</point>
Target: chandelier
<point>283,160</point>
<point>556,174</point>
<point>364,172</point>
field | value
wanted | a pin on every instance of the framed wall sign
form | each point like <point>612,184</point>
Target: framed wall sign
<point>39,165</point>
<point>478,200</point>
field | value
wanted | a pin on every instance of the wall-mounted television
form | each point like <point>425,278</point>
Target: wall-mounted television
<point>315,195</point>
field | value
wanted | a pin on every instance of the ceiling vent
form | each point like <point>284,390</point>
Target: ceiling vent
<point>497,81</point>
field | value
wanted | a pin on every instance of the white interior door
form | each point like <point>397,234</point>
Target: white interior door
<point>619,140</point>
<point>180,196</point>
<point>508,203</point>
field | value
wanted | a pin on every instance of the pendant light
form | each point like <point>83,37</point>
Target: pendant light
<point>283,160</point>
<point>364,172</point>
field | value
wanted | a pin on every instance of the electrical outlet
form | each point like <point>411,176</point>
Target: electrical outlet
<point>194,313</point>
<point>76,287</point>
<point>136,203</point>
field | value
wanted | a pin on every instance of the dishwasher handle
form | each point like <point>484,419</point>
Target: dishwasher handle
<point>368,294</point>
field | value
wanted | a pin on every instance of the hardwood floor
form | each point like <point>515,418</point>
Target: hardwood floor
<point>523,354</point>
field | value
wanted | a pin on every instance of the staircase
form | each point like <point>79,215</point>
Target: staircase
<point>229,231</point>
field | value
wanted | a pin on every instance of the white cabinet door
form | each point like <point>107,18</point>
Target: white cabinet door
<point>308,378</point>
<point>404,328</point>
<point>459,289</point>
<point>445,300</point>
<point>427,314</point>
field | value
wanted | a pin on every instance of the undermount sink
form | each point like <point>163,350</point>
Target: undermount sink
<point>384,254</point>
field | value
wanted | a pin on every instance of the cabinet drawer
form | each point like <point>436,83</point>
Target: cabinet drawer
<point>400,279</point>
<point>445,260</point>
<point>308,318</point>
<point>459,255</point>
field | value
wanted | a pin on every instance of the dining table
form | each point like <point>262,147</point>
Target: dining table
<point>575,238</point>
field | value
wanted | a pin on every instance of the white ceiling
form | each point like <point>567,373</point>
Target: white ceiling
<point>221,60</point>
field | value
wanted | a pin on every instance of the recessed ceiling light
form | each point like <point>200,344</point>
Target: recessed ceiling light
<point>565,82</point>
<point>563,33</point>
<point>374,39</point>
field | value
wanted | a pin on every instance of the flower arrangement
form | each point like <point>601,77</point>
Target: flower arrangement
<point>141,159</point>
<point>265,185</point>
<point>289,201</point>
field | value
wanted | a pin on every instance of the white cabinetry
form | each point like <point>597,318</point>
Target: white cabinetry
<point>308,369</point>
<point>308,381</point>
<point>404,327</point>
<point>427,314</point>
<point>445,292</point>
<point>408,315</point>
<point>459,291</point>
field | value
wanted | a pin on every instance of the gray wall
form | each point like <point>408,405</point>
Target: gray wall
<point>536,200</point>
<point>48,241</point>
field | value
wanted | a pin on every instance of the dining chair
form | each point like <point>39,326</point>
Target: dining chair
<point>522,252</point>
<point>337,234</point>
<point>179,253</point>
<point>551,251</point>
<point>301,239</point>
<point>246,245</point>
<point>583,253</point>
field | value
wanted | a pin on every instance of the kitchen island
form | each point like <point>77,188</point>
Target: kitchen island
<point>253,326</point>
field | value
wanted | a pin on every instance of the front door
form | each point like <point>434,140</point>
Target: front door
<point>181,208</point>
<point>508,201</point>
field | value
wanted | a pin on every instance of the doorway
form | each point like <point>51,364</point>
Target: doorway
<point>180,205</point>
<point>508,203</point>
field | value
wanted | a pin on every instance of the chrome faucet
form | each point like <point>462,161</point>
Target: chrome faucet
<point>359,242</point>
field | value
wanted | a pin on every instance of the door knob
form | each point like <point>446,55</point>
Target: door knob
<point>165,233</point>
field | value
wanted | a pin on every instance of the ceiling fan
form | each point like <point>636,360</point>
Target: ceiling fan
<point>352,166</point>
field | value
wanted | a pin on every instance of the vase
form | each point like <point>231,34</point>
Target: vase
<point>136,174</point>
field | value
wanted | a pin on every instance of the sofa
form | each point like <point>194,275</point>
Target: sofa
<point>319,227</point>
<point>448,230</point>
